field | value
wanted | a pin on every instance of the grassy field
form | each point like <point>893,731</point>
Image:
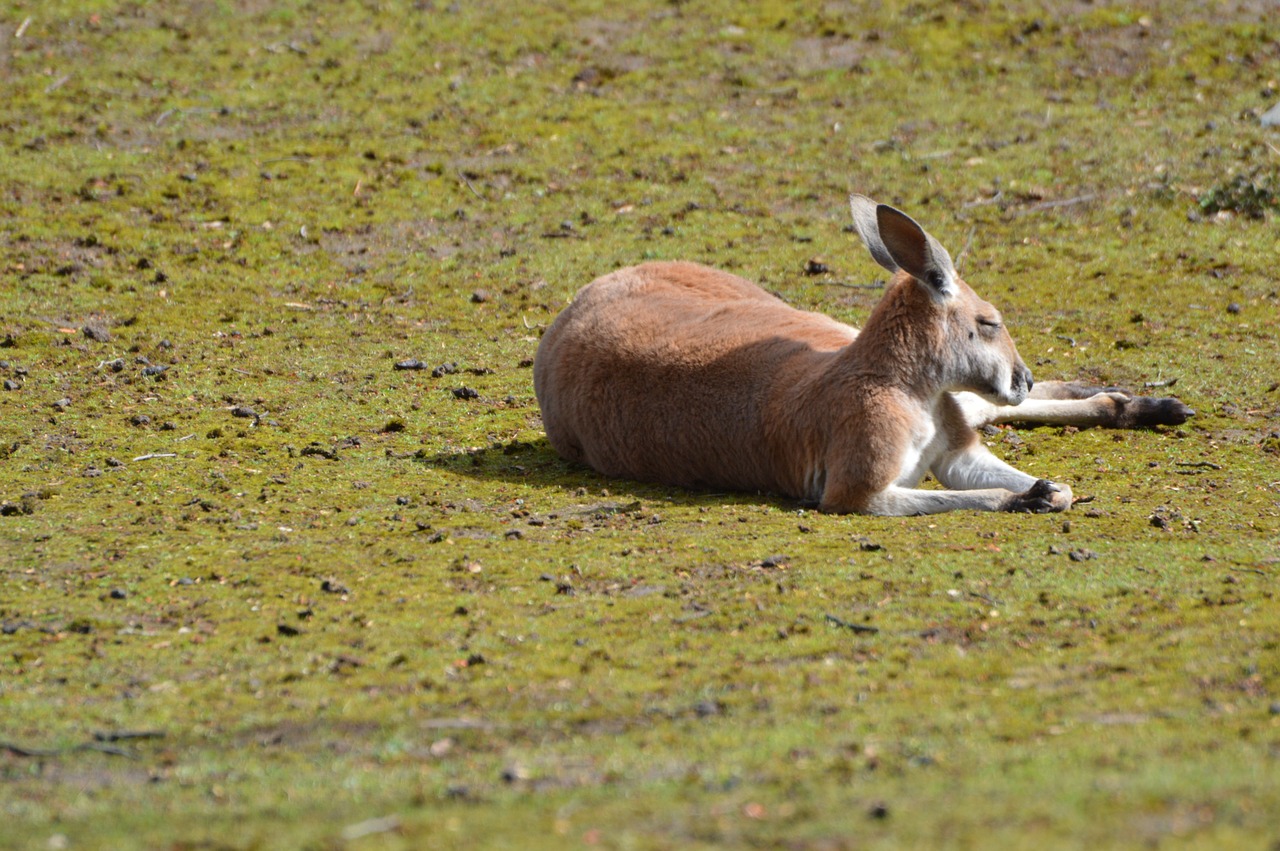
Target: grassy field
<point>263,587</point>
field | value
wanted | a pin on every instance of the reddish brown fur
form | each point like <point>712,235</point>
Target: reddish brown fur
<point>678,373</point>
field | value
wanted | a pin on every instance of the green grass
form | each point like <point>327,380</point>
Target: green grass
<point>377,600</point>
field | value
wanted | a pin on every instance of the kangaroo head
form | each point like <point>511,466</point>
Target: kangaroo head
<point>970,349</point>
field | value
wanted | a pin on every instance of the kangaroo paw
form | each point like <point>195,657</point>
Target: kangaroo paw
<point>1041,498</point>
<point>1147,411</point>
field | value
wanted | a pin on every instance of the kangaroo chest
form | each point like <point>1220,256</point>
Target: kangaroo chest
<point>925,442</point>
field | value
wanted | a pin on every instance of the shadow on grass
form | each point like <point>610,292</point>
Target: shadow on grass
<point>536,463</point>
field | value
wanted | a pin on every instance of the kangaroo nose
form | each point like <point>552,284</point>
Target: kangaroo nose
<point>1022,375</point>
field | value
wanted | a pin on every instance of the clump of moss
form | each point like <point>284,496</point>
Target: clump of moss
<point>1250,195</point>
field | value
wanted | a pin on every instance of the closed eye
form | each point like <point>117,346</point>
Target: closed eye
<point>988,325</point>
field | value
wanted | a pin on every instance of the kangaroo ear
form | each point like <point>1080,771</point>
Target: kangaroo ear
<point>915,251</point>
<point>865,223</point>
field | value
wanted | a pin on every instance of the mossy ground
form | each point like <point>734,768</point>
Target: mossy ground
<point>375,599</point>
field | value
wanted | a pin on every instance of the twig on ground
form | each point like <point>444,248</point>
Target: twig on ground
<point>467,183</point>
<point>1168,382</point>
<point>1053,205</point>
<point>156,455</point>
<point>23,750</point>
<point>877,285</point>
<point>1249,570</point>
<point>373,826</point>
<point>855,627</point>
<point>125,735</point>
<point>990,601</point>
<point>994,199</point>
<point>964,251</point>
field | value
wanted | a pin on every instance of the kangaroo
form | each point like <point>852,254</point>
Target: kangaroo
<point>677,373</point>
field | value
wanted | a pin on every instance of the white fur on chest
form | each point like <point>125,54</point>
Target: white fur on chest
<point>927,442</point>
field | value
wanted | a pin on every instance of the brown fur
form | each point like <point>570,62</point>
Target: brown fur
<point>677,373</point>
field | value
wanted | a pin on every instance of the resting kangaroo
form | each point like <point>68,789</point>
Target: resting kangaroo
<point>682,374</point>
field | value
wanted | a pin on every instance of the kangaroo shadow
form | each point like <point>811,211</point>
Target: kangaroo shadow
<point>535,462</point>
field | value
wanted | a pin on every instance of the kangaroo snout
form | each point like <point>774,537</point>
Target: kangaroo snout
<point>1022,381</point>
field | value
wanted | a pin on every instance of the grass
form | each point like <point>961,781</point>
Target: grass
<point>372,614</point>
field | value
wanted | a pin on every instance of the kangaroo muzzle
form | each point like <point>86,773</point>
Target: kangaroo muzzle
<point>1020,384</point>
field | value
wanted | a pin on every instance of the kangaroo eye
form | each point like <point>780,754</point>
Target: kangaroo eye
<point>988,324</point>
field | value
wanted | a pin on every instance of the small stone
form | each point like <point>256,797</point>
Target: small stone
<point>139,420</point>
<point>96,332</point>
<point>1081,555</point>
<point>244,412</point>
<point>444,369</point>
<point>816,266</point>
<point>62,404</point>
<point>465,393</point>
<point>879,811</point>
<point>411,363</point>
<point>333,586</point>
<point>10,384</point>
<point>114,462</point>
<point>118,594</point>
<point>155,369</point>
<point>1234,307</point>
<point>116,365</point>
<point>480,297</point>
